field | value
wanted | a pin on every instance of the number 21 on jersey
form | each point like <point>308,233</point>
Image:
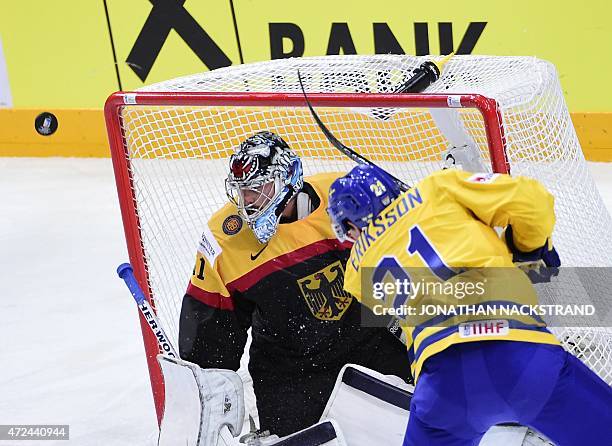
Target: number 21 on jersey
<point>419,245</point>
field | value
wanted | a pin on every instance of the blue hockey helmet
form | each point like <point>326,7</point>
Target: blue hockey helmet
<point>359,197</point>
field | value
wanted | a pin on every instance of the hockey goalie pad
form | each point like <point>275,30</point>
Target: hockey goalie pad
<point>513,435</point>
<point>506,435</point>
<point>371,408</point>
<point>198,403</point>
<point>324,433</point>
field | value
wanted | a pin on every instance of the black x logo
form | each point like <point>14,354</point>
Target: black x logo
<point>167,15</point>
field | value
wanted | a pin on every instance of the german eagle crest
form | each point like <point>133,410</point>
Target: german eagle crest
<point>324,293</point>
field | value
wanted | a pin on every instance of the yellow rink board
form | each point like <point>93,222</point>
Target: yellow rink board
<point>82,133</point>
<point>63,56</point>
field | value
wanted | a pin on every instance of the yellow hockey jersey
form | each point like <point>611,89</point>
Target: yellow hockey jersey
<point>442,231</point>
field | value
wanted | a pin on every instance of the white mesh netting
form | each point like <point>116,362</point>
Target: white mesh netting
<point>177,155</point>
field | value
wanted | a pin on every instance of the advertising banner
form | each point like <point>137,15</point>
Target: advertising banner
<point>75,53</point>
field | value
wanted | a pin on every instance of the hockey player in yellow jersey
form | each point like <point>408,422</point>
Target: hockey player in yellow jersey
<point>472,370</point>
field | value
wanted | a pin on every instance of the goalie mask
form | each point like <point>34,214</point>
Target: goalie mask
<point>264,175</point>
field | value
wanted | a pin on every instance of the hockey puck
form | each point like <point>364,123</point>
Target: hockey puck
<point>46,124</point>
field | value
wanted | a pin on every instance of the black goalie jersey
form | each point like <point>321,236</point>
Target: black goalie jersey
<point>290,292</point>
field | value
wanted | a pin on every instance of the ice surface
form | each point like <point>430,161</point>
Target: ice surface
<point>72,351</point>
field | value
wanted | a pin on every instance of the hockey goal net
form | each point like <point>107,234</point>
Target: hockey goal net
<point>170,143</point>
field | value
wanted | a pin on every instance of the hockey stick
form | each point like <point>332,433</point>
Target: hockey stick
<point>338,145</point>
<point>422,77</point>
<point>126,272</point>
<point>426,74</point>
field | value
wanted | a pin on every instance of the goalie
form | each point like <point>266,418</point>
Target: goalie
<point>280,274</point>
<point>472,373</point>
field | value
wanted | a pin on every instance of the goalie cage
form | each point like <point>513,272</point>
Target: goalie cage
<point>170,142</point>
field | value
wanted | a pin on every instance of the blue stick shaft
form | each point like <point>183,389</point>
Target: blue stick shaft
<point>126,272</point>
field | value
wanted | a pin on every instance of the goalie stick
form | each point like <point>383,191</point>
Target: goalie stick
<point>202,407</point>
<point>126,272</point>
